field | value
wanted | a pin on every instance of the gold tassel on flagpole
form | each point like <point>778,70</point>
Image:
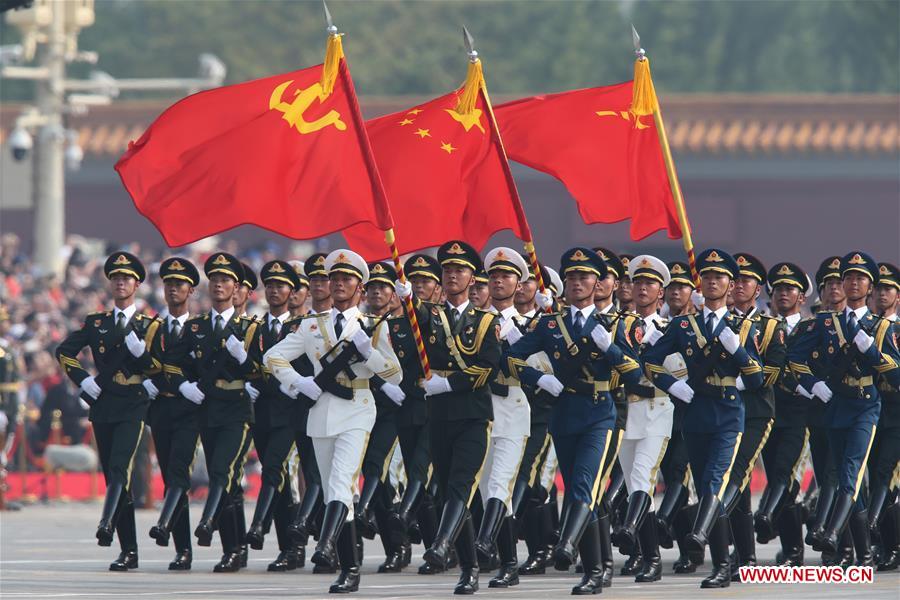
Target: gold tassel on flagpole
<point>334,52</point>
<point>643,99</point>
<point>474,83</point>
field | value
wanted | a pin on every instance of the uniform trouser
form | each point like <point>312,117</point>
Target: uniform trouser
<point>340,460</point>
<point>783,454</point>
<point>534,456</point>
<point>850,448</point>
<point>885,457</point>
<point>823,464</point>
<point>285,503</point>
<point>612,454</point>
<point>308,459</point>
<point>416,450</point>
<point>501,467</point>
<point>581,456</point>
<point>117,445</point>
<point>175,451</point>
<point>273,446</point>
<point>225,447</point>
<point>382,440</point>
<point>711,455</point>
<point>640,460</point>
<point>675,464</point>
<point>756,434</point>
<point>458,451</point>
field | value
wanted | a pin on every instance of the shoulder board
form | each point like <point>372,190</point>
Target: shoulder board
<point>826,312</point>
<point>481,310</point>
<point>95,315</point>
<point>196,319</point>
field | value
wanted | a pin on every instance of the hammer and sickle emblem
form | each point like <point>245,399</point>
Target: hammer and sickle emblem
<point>293,112</point>
<point>625,115</point>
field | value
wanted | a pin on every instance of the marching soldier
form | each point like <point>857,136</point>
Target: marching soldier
<point>759,414</point>
<point>119,340</point>
<point>297,300</point>
<point>625,291</point>
<point>319,286</point>
<point>346,351</point>
<point>244,291</point>
<point>274,427</point>
<point>721,358</point>
<point>506,270</point>
<point>648,426</point>
<point>463,347</point>
<point>588,352</point>
<point>480,293</point>
<point>173,418</point>
<point>848,351</point>
<point>884,509</point>
<point>210,367</point>
<point>417,503</point>
<point>679,292</point>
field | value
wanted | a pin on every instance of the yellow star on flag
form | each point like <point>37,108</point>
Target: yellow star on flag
<point>406,122</point>
<point>423,133</point>
<point>448,147</point>
<point>414,111</point>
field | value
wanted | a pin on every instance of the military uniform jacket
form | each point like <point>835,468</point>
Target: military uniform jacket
<point>273,408</point>
<point>303,366</point>
<point>771,341</point>
<point>541,404</point>
<point>414,411</point>
<point>709,411</point>
<point>791,409</point>
<point>819,351</point>
<point>169,409</point>
<point>120,374</point>
<point>315,336</point>
<point>467,353</point>
<point>650,411</point>
<point>574,410</point>
<point>201,357</point>
<point>512,412</point>
<point>890,394</point>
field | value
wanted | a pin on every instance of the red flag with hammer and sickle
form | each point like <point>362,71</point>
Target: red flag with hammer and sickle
<point>288,153</point>
<point>609,160</point>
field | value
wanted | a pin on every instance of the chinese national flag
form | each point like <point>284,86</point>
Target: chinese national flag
<point>610,162</point>
<point>280,152</point>
<point>445,176</point>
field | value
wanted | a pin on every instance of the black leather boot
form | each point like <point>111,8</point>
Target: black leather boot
<point>843,505</point>
<point>452,518</point>
<point>570,532</point>
<point>109,515</point>
<point>633,563</point>
<point>508,575</point>
<point>332,523</point>
<point>844,557</point>
<point>877,499</point>
<point>625,535</point>
<point>744,544</point>
<point>681,526</point>
<point>816,530</point>
<point>348,555</point>
<point>172,502</point>
<point>718,550</point>
<point>486,541</point>
<point>206,526</point>
<point>890,538</point>
<point>287,560</point>
<point>127,560</point>
<point>302,524</point>
<point>652,566</point>
<point>468,558</point>
<point>859,529</point>
<point>365,523</point>
<point>589,549</point>
<point>182,561</point>
<point>790,527</point>
<point>537,552</point>
<point>412,498</point>
<point>710,510</point>
<point>730,498</point>
<point>606,551</point>
<point>395,543</point>
<point>230,563</point>
<point>770,503</point>
<point>257,532</point>
<point>675,498</point>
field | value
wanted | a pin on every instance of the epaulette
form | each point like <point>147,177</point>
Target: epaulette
<point>481,310</point>
<point>100,313</point>
<point>198,318</point>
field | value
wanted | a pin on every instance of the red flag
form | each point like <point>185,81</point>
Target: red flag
<point>610,162</point>
<point>286,153</point>
<point>444,173</point>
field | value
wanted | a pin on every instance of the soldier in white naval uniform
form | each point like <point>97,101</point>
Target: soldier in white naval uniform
<point>647,428</point>
<point>339,427</point>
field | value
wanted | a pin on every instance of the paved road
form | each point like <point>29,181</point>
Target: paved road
<point>49,552</point>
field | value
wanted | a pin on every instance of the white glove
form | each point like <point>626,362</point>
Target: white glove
<point>544,300</point>
<point>136,346</point>
<point>651,334</point>
<point>90,387</point>
<point>403,289</point>
<point>513,335</point>
<point>308,387</point>
<point>235,348</point>
<point>730,340</point>
<point>363,343</point>
<point>820,389</point>
<point>84,404</point>
<point>394,393</point>
<point>289,390</point>
<point>437,384</point>
<point>190,391</point>
<point>252,391</point>
<point>802,391</point>
<point>682,391</point>
<point>739,384</point>
<point>550,384</point>
<point>601,337</point>
<point>863,341</point>
<point>152,390</point>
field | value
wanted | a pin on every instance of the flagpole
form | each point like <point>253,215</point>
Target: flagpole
<point>524,227</point>
<point>644,102</point>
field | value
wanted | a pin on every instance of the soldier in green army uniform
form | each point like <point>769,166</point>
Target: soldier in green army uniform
<point>625,291</point>
<point>172,417</point>
<point>210,367</point>
<point>119,340</point>
<point>463,347</point>
<point>479,295</point>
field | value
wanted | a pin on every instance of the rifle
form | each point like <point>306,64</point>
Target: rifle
<point>349,354</point>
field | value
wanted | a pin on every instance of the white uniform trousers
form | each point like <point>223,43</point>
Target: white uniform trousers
<point>551,466</point>
<point>501,468</point>
<point>340,460</point>
<point>640,460</point>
